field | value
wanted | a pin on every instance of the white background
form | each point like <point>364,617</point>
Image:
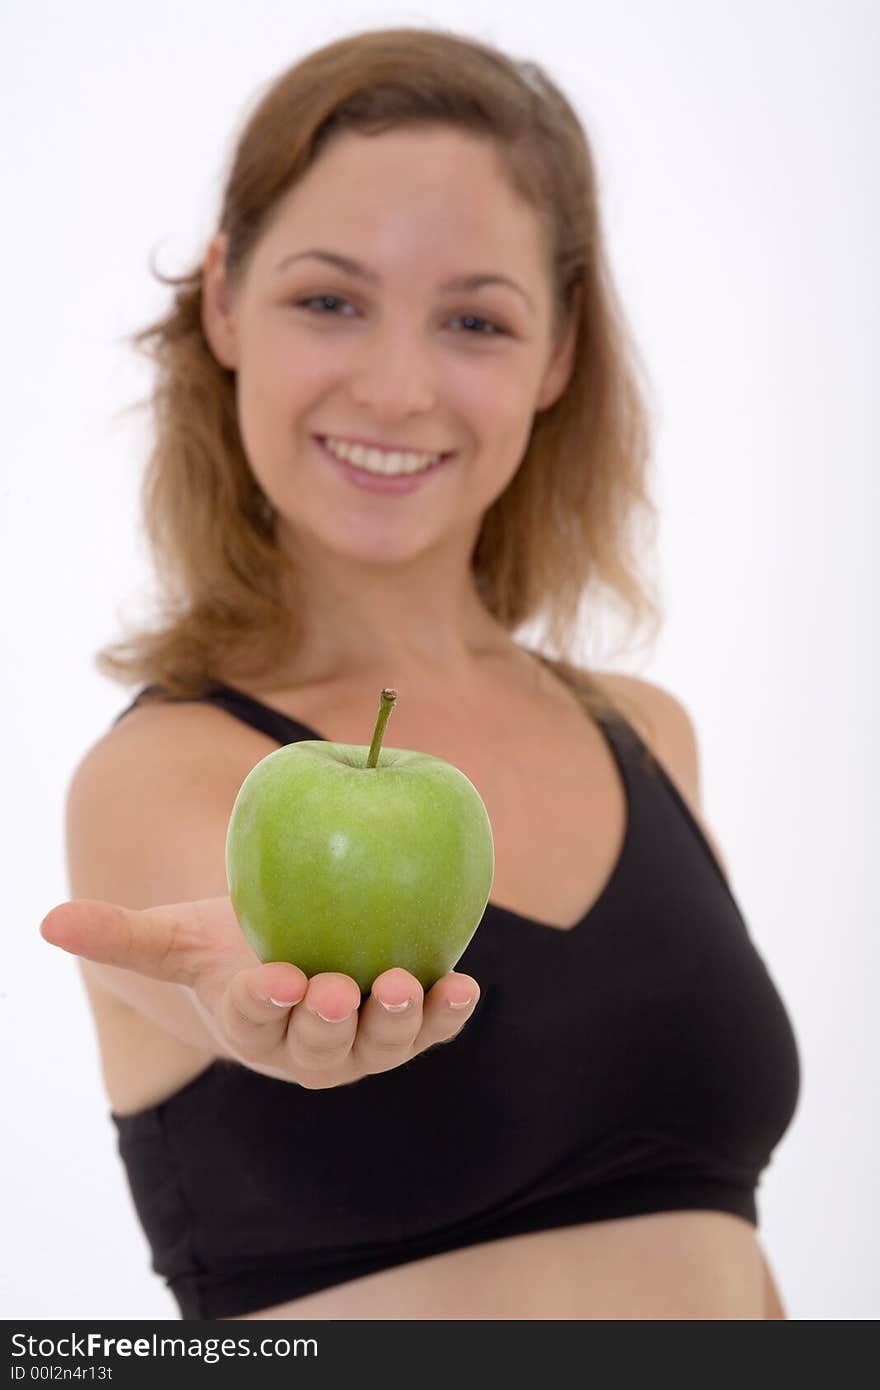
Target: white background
<point>737,148</point>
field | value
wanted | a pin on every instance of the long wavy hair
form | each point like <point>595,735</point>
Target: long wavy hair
<point>576,524</point>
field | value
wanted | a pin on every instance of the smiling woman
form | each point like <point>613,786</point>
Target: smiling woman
<point>398,415</point>
<point>577,515</point>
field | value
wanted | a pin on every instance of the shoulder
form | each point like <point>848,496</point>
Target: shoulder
<point>146,810</point>
<point>190,735</point>
<point>664,722</point>
<point>160,756</point>
<point>213,724</point>
<point>667,727</point>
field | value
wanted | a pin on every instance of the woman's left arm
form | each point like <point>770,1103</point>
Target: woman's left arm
<point>772,1302</point>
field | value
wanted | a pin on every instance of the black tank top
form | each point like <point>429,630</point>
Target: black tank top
<point>641,1061</point>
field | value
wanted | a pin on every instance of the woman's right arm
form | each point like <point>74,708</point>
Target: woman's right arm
<point>141,828</point>
<point>146,817</point>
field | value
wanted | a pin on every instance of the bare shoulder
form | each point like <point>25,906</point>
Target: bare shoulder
<point>163,777</point>
<point>668,728</point>
<point>665,723</point>
<point>162,744</point>
<point>192,724</point>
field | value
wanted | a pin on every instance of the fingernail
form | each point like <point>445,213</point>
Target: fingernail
<point>396,1008</point>
<point>461,1003</point>
<point>327,1019</point>
<point>281,1003</point>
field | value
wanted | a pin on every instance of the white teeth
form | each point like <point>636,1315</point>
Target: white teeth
<point>377,460</point>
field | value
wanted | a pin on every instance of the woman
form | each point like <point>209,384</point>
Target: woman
<point>408,278</point>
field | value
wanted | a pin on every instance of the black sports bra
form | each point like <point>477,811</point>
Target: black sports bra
<point>641,1061</point>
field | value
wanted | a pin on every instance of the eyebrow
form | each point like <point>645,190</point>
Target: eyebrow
<point>360,271</point>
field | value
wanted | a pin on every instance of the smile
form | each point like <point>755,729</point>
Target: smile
<point>388,463</point>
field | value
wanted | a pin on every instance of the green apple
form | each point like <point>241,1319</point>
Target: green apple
<point>355,859</point>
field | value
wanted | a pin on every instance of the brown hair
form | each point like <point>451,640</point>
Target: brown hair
<point>566,529</point>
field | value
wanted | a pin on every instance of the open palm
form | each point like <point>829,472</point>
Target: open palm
<point>317,1032</point>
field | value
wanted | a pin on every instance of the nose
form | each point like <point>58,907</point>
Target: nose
<point>393,376</point>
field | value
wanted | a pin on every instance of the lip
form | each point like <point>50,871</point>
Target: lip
<point>374,482</point>
<point>378,444</point>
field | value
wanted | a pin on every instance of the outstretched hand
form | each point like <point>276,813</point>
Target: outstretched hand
<point>316,1032</point>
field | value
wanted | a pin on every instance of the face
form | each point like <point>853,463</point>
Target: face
<point>392,355</point>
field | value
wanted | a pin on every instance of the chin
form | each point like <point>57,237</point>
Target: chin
<point>379,545</point>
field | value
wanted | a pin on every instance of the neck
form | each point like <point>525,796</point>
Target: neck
<point>392,625</point>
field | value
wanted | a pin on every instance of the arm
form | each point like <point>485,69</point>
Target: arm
<point>145,824</point>
<point>773,1308</point>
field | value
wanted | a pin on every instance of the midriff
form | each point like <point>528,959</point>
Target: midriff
<point>669,1265</point>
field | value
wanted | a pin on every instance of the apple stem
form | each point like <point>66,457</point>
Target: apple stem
<point>386,705</point>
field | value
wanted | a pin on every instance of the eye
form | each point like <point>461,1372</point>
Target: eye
<point>322,299</point>
<point>484,327</point>
<point>495,329</point>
